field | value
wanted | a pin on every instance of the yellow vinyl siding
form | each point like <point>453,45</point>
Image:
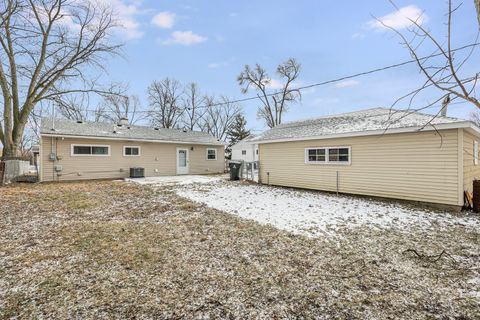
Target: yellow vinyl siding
<point>410,166</point>
<point>470,170</point>
<point>158,159</point>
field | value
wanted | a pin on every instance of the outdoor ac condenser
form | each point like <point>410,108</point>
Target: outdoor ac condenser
<point>137,172</point>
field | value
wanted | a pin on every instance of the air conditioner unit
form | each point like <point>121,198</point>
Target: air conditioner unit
<point>137,172</point>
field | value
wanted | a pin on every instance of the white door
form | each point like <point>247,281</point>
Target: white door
<point>182,161</point>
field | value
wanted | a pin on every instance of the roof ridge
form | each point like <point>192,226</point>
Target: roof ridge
<point>356,121</point>
<point>114,124</point>
<point>337,115</point>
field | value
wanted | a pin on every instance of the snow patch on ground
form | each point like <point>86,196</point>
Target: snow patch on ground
<point>315,213</point>
<point>178,180</point>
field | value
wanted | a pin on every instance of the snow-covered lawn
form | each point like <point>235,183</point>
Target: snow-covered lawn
<point>178,180</point>
<point>110,250</point>
<point>314,213</point>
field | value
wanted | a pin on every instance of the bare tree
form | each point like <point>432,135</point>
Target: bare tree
<point>165,104</point>
<point>45,48</point>
<point>76,107</point>
<point>219,116</point>
<point>193,112</point>
<point>477,7</point>
<point>116,107</point>
<point>475,117</point>
<point>442,68</point>
<point>274,97</point>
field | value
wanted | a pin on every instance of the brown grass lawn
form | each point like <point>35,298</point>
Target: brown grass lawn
<point>115,250</point>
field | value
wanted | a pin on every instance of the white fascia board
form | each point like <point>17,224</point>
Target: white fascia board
<point>444,126</point>
<point>131,139</point>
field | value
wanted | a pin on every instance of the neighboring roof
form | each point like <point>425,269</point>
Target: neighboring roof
<point>358,123</point>
<point>246,141</point>
<point>101,130</point>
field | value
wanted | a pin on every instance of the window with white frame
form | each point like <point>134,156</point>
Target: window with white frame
<point>131,151</point>
<point>211,154</point>
<point>475,152</point>
<point>244,152</point>
<point>90,150</point>
<point>328,155</point>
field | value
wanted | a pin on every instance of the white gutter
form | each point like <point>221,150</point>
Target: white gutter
<point>57,135</point>
<point>444,126</point>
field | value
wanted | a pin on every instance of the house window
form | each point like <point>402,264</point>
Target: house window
<point>90,150</point>
<point>475,152</point>
<point>244,152</point>
<point>211,154</point>
<point>330,155</point>
<point>256,151</point>
<point>131,151</point>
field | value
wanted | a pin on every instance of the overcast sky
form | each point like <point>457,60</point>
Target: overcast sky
<point>210,41</point>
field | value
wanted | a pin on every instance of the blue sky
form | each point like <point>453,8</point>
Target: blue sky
<point>209,42</point>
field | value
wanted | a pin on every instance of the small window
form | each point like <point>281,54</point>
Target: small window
<point>316,155</point>
<point>338,155</point>
<point>333,155</point>
<point>90,150</point>
<point>82,150</point>
<point>256,151</point>
<point>244,152</point>
<point>131,151</point>
<point>211,154</point>
<point>475,152</point>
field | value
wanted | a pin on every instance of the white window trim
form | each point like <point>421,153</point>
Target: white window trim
<point>327,162</point>
<point>206,154</point>
<point>475,152</point>
<point>89,145</point>
<point>132,155</point>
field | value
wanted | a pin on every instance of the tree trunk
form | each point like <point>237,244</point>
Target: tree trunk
<point>10,151</point>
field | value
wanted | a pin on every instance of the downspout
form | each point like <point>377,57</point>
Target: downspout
<point>337,183</point>
<point>53,161</point>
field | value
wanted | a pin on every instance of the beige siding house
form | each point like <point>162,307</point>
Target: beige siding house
<point>375,152</point>
<point>72,150</point>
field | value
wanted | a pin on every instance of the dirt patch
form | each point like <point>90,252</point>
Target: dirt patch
<point>116,250</point>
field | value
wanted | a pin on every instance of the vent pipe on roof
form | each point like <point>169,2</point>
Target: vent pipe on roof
<point>123,122</point>
<point>53,117</point>
<point>445,103</point>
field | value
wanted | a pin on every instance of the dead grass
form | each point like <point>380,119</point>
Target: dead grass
<point>113,250</point>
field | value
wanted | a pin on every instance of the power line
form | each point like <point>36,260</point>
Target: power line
<point>355,75</point>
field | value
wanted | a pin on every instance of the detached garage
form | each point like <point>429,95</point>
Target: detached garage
<point>74,150</point>
<point>377,152</point>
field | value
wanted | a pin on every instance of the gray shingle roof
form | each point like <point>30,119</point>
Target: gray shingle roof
<point>353,122</point>
<point>107,130</point>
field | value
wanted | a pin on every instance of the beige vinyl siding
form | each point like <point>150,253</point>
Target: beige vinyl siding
<point>410,166</point>
<point>158,159</point>
<point>470,170</point>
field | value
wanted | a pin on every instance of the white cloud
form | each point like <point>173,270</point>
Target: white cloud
<point>164,20</point>
<point>358,36</point>
<point>274,84</point>
<point>399,19</point>
<point>185,38</point>
<point>126,14</point>
<point>346,83</point>
<point>221,64</point>
<point>324,101</point>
